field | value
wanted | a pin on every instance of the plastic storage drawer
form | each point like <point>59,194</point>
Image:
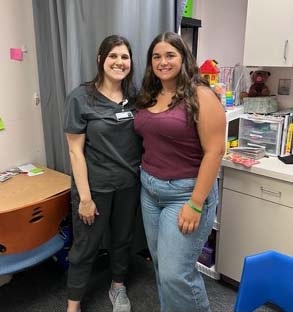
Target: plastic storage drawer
<point>259,130</point>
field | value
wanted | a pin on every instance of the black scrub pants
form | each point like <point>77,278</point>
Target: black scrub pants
<point>117,211</point>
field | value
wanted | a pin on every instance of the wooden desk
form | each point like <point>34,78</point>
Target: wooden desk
<point>31,209</point>
<point>22,190</point>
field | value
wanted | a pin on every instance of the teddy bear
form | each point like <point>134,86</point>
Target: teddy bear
<point>258,87</point>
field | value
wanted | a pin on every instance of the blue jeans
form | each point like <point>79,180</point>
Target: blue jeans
<point>180,286</point>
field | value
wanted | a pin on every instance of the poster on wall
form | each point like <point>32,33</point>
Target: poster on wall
<point>284,86</point>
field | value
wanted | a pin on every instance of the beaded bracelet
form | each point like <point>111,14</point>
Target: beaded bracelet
<point>190,204</point>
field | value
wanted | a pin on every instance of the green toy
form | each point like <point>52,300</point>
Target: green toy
<point>188,8</point>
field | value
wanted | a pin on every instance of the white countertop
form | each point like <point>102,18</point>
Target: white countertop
<point>234,113</point>
<point>270,167</point>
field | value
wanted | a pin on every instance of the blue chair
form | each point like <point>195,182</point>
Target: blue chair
<point>30,235</point>
<point>17,262</point>
<point>267,277</point>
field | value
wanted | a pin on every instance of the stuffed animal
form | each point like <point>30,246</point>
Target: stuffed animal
<point>258,87</point>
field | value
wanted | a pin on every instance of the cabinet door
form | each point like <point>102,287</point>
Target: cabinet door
<point>269,36</point>
<point>250,225</point>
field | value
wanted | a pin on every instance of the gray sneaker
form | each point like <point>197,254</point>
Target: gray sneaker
<point>119,299</point>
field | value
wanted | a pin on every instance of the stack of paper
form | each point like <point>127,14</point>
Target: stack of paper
<point>4,176</point>
<point>30,169</point>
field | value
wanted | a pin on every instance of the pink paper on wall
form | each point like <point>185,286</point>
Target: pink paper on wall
<point>16,54</point>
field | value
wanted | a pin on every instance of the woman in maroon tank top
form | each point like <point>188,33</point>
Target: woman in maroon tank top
<point>182,124</point>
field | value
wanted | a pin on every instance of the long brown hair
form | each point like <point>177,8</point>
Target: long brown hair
<point>105,48</point>
<point>187,81</point>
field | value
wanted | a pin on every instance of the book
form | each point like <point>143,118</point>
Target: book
<point>284,135</point>
<point>288,146</point>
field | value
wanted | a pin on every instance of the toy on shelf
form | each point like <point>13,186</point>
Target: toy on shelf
<point>259,87</point>
<point>220,90</point>
<point>210,71</point>
<point>259,100</point>
<point>229,100</point>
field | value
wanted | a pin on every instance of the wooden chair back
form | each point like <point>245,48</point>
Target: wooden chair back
<point>30,226</point>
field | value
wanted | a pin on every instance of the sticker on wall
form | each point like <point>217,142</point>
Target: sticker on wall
<point>2,127</point>
<point>16,54</point>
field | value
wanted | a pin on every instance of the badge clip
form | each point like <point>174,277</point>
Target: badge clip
<point>124,102</point>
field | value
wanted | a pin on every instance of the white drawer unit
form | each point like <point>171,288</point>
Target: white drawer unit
<point>262,187</point>
<point>259,130</point>
<point>256,215</point>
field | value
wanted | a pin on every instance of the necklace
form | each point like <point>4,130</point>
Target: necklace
<point>115,96</point>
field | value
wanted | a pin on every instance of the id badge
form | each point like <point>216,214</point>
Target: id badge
<point>124,115</point>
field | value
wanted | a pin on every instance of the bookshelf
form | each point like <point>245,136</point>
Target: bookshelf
<point>189,32</point>
<point>232,124</point>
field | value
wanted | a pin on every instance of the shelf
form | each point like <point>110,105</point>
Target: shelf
<point>211,272</point>
<point>190,22</point>
<point>232,121</point>
<point>189,31</point>
<point>216,225</point>
<point>234,113</point>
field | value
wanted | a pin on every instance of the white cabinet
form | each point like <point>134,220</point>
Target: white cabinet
<point>256,215</point>
<point>269,35</point>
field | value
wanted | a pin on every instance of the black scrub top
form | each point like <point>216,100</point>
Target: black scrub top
<point>112,149</point>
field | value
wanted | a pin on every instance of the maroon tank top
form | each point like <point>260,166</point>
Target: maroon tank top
<point>172,148</point>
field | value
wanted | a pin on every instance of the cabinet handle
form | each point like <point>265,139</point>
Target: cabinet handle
<point>264,190</point>
<point>285,50</point>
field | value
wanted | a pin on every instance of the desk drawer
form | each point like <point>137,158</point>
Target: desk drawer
<point>274,190</point>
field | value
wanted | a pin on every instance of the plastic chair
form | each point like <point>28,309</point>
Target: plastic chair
<point>30,234</point>
<point>267,277</point>
<point>20,261</point>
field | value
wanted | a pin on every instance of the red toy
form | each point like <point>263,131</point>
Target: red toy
<point>210,71</point>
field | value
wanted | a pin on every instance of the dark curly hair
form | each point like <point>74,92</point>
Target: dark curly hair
<point>187,81</point>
